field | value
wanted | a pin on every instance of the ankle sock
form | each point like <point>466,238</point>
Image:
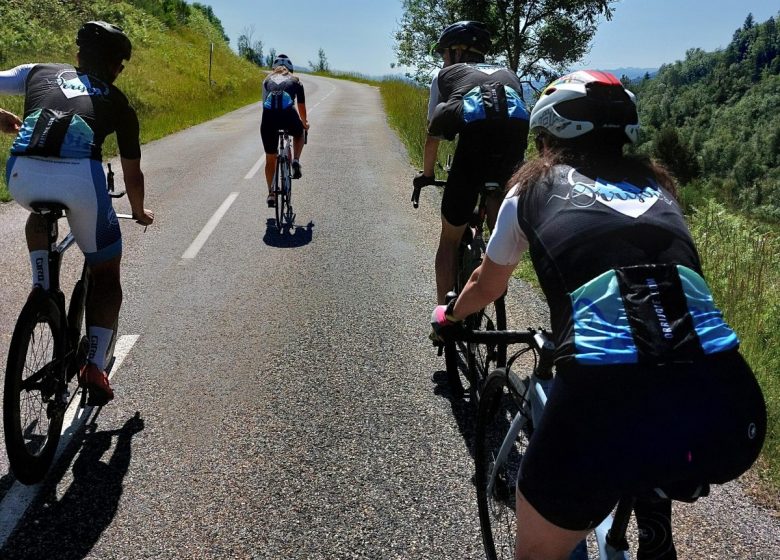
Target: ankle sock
<point>99,339</point>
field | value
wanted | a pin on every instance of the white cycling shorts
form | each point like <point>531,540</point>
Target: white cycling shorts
<point>78,184</point>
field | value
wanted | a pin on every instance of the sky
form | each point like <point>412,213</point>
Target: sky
<point>357,35</point>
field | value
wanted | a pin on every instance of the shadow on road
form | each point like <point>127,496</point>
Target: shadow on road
<point>68,527</point>
<point>463,409</point>
<point>298,236</point>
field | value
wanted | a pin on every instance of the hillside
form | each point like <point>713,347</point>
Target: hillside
<point>167,78</point>
<point>714,118</point>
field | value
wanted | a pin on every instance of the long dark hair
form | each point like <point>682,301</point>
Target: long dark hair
<point>598,154</point>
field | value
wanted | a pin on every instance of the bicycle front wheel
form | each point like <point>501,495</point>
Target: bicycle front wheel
<point>502,434</point>
<point>33,399</point>
<point>483,358</point>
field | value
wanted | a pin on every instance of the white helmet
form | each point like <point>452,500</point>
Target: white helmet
<point>283,60</point>
<point>584,101</point>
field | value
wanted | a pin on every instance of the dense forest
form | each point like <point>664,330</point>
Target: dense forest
<point>714,119</point>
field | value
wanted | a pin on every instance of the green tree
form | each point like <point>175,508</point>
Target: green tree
<point>322,62</point>
<point>681,161</point>
<point>536,38</point>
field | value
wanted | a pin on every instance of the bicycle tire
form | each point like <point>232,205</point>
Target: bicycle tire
<point>482,358</point>
<point>32,415</point>
<point>77,330</point>
<point>286,195</point>
<point>499,405</point>
<point>277,187</point>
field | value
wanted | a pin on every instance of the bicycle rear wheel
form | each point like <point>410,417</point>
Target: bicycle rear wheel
<point>277,189</point>
<point>502,434</point>
<point>33,400</point>
<point>286,197</point>
<point>483,358</point>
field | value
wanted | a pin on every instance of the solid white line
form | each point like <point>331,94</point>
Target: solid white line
<point>209,228</point>
<point>256,167</point>
<point>19,497</point>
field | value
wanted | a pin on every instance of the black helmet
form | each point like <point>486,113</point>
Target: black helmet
<point>471,34</point>
<point>107,39</point>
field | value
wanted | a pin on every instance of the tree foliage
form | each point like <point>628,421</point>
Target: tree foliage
<point>724,109</point>
<point>536,38</point>
<point>322,62</point>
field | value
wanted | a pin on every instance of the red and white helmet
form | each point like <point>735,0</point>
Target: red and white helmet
<point>584,101</point>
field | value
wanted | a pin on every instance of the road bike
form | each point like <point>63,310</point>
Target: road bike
<point>510,407</point>
<point>474,359</point>
<point>285,217</point>
<point>48,348</point>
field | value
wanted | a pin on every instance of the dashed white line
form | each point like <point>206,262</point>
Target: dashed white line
<point>20,496</point>
<point>209,228</point>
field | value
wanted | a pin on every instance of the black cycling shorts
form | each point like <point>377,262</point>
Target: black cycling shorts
<point>614,431</point>
<point>487,151</point>
<point>273,121</point>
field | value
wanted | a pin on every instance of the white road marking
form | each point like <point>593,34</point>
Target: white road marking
<point>20,496</point>
<point>256,167</point>
<point>209,228</point>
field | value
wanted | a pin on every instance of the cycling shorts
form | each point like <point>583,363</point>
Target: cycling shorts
<point>80,185</point>
<point>487,151</point>
<point>273,121</point>
<point>615,431</point>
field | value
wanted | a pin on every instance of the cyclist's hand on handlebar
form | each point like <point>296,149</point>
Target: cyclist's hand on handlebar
<point>442,321</point>
<point>145,218</point>
<point>421,180</point>
<point>305,125</point>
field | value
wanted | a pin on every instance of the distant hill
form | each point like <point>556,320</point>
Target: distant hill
<point>714,118</point>
<point>632,72</point>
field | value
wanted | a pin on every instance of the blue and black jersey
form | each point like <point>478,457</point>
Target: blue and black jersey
<point>69,113</point>
<point>620,271</point>
<point>281,91</point>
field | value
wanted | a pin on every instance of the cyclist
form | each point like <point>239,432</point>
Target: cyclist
<point>482,104</point>
<point>281,90</point>
<point>57,157</point>
<point>9,122</point>
<point>646,366</point>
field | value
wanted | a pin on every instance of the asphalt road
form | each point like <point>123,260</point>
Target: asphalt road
<point>281,399</point>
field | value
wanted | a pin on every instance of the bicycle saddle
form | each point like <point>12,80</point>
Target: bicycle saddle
<point>47,207</point>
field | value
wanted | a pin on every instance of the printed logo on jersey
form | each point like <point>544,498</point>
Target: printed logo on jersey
<point>623,197</point>
<point>73,84</point>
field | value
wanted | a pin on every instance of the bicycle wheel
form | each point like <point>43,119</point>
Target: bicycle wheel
<point>278,182</point>
<point>483,358</point>
<point>77,330</point>
<point>502,434</point>
<point>286,195</point>
<point>33,403</point>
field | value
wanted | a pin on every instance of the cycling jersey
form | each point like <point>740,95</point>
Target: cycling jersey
<point>68,113</point>
<point>280,91</point>
<point>462,94</point>
<point>650,390</point>
<point>618,267</point>
<point>481,103</point>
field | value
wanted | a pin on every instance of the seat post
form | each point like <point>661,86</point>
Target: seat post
<point>52,231</point>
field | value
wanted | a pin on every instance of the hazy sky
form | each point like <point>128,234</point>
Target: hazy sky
<point>357,35</point>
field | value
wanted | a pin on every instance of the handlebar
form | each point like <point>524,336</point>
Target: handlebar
<point>416,191</point>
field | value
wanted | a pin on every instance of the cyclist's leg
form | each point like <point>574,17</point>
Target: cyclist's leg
<point>457,205</point>
<point>269,133</point>
<point>29,181</point>
<point>96,230</point>
<point>296,130</point>
<point>539,539</point>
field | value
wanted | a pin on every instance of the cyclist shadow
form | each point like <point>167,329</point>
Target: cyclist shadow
<point>463,409</point>
<point>297,236</point>
<point>68,527</point>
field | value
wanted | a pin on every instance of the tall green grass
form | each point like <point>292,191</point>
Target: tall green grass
<point>166,80</point>
<point>741,261</point>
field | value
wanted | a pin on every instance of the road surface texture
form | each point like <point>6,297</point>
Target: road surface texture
<point>281,399</point>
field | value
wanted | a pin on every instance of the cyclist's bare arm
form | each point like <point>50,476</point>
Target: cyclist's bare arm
<point>134,185</point>
<point>488,282</point>
<point>302,113</point>
<point>430,152</point>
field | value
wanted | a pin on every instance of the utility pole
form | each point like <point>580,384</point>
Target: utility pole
<point>211,58</point>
